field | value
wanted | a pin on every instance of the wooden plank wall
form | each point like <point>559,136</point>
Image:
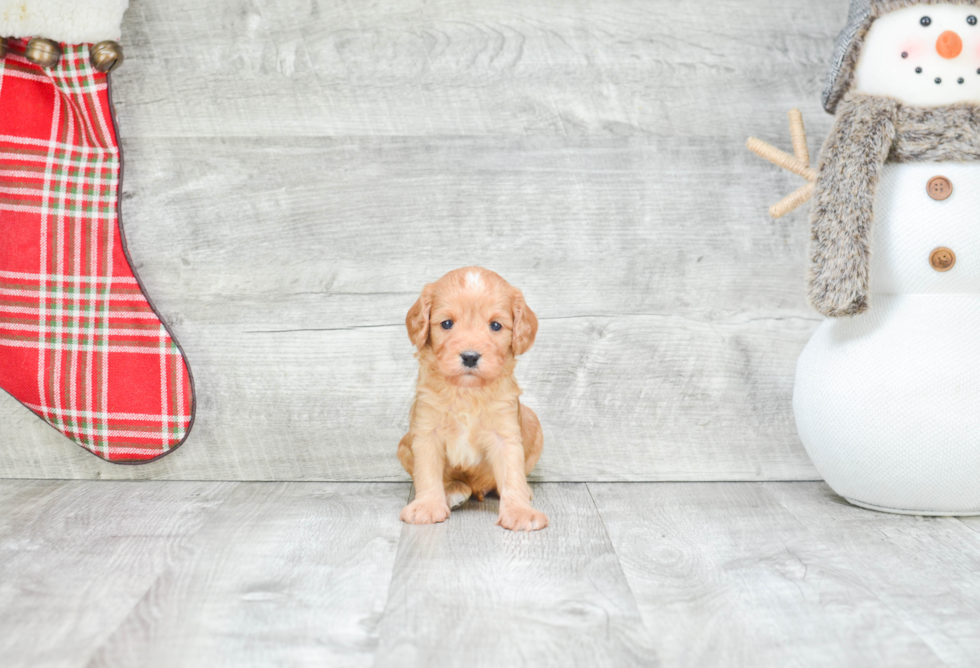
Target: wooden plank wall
<point>296,171</point>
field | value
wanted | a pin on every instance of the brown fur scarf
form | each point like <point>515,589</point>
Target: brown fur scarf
<point>867,132</point>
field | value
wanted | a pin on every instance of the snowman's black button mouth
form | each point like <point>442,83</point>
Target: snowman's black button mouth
<point>938,80</point>
<point>918,70</point>
<point>961,80</point>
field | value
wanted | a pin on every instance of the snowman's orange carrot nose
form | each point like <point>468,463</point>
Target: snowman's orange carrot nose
<point>949,45</point>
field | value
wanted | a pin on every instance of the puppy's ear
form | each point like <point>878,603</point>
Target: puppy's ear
<point>417,320</point>
<point>525,325</point>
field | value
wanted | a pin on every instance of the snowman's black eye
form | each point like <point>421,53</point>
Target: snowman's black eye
<point>972,20</point>
<point>926,21</point>
<point>918,70</point>
<point>905,54</point>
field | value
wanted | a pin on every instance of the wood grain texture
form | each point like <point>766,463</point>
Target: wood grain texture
<point>658,343</point>
<point>467,67</point>
<point>210,574</point>
<point>791,575</point>
<point>296,172</point>
<point>284,574</point>
<point>469,593</point>
<point>923,569</point>
<point>76,557</point>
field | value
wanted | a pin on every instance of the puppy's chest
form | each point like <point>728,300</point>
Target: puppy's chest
<point>461,449</point>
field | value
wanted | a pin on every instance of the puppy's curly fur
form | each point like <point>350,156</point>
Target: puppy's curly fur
<point>469,433</point>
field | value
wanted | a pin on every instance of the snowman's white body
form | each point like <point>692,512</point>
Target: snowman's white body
<point>887,403</point>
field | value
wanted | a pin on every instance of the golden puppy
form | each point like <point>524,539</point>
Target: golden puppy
<point>468,432</point>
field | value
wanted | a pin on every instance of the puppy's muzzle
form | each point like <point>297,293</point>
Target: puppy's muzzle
<point>470,359</point>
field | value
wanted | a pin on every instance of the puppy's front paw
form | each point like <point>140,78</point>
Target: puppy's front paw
<point>422,511</point>
<point>522,518</point>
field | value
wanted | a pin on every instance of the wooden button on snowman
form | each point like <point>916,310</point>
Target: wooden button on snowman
<point>894,262</point>
<point>939,188</point>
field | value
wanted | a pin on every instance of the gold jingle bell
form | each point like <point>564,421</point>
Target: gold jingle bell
<point>106,56</point>
<point>43,52</point>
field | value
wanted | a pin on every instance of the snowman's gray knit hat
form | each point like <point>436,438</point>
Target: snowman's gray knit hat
<point>863,13</point>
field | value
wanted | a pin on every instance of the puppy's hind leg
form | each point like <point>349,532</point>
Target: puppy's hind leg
<point>531,436</point>
<point>457,493</point>
<point>405,454</point>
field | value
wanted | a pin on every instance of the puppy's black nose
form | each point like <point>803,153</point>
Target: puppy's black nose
<point>470,359</point>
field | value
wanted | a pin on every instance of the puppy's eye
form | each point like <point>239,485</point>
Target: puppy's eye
<point>926,21</point>
<point>972,20</point>
<point>496,326</point>
<point>447,324</point>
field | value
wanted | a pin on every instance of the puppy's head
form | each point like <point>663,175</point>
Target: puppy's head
<point>474,323</point>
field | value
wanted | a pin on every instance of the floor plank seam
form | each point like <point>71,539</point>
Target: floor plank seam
<point>619,563</point>
<point>886,604</point>
<point>375,655</point>
<point>968,525</point>
<point>151,585</point>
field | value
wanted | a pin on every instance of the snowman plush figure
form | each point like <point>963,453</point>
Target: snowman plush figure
<point>887,396</point>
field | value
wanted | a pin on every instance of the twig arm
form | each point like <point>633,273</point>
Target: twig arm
<point>798,163</point>
<point>781,158</point>
<point>793,202</point>
<point>798,133</point>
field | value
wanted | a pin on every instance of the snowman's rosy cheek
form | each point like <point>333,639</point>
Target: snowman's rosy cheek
<point>911,50</point>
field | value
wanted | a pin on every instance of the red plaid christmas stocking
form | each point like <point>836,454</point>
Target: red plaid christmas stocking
<point>80,344</point>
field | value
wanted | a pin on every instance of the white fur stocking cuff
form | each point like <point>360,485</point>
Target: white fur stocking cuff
<point>70,21</point>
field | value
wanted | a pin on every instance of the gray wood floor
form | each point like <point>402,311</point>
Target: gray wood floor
<point>323,574</point>
<point>296,171</point>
